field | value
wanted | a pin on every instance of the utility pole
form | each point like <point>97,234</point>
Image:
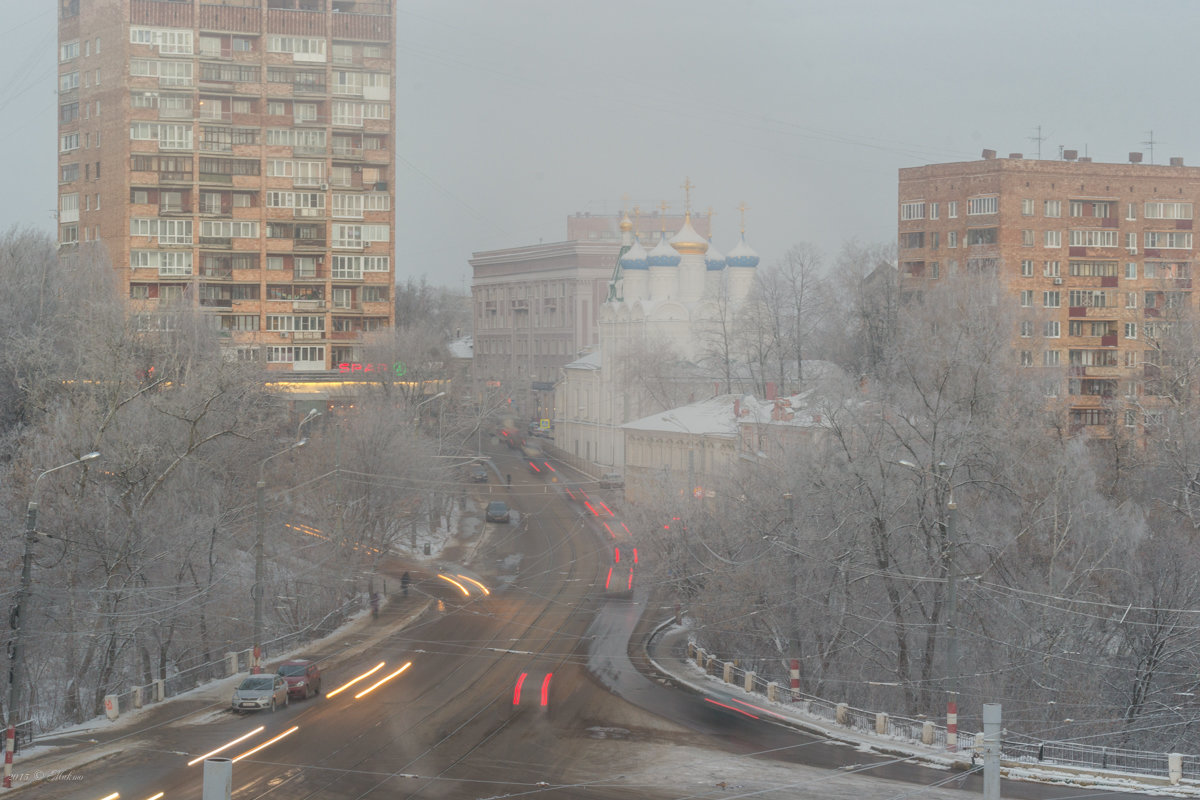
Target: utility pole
<point>992,733</point>
<point>16,671</point>
<point>942,471</point>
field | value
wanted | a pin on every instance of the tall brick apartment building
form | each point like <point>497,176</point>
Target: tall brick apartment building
<point>1095,258</point>
<point>236,155</point>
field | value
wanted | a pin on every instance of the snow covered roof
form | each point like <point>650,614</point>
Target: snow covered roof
<point>711,417</point>
<point>587,361</point>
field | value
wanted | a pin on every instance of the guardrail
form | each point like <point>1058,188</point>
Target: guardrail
<point>234,662</point>
<point>925,733</point>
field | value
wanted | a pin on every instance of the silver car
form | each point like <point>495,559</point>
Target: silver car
<point>260,691</point>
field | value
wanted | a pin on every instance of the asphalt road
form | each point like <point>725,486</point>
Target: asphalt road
<point>452,725</point>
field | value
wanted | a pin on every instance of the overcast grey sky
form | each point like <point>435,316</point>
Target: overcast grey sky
<point>513,114</point>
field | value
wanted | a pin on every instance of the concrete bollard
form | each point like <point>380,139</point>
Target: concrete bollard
<point>727,673</point>
<point>927,733</point>
<point>231,664</point>
<point>881,722</point>
<point>773,691</point>
<point>700,657</point>
<point>1175,767</point>
<point>139,696</point>
<point>749,684</point>
<point>691,650</point>
<point>709,661</point>
<point>112,708</point>
<point>160,690</point>
<point>842,714</point>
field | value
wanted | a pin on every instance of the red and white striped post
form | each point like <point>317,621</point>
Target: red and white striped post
<point>951,726</point>
<point>795,679</point>
<point>10,739</point>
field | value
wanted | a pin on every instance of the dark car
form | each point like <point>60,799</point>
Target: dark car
<point>497,511</point>
<point>611,480</point>
<point>478,473</point>
<point>303,678</point>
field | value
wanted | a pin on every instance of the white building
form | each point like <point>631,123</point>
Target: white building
<point>652,330</point>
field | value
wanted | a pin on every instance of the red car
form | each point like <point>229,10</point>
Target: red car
<point>303,678</point>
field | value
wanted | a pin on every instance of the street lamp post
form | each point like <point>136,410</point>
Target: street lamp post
<point>942,471</point>
<point>16,676</point>
<point>261,524</point>
<point>417,410</point>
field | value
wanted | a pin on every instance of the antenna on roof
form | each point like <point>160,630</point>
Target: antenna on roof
<point>1150,143</point>
<point>1039,139</point>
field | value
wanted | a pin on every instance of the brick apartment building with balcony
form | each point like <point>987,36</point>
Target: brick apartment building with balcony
<point>1095,259</point>
<point>235,156</point>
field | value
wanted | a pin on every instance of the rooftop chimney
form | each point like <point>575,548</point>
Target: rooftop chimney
<point>989,154</point>
<point>1016,155</point>
<point>1176,161</point>
<point>1085,159</point>
<point>1135,158</point>
<point>1070,155</point>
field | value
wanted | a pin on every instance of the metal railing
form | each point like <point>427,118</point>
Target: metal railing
<point>931,736</point>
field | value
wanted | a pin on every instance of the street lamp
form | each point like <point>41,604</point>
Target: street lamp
<point>417,410</point>
<point>942,471</point>
<point>16,675</point>
<point>261,517</point>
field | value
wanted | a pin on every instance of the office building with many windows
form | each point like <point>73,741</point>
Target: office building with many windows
<point>235,156</point>
<point>1095,259</point>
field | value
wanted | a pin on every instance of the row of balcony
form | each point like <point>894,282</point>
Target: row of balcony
<point>232,16</point>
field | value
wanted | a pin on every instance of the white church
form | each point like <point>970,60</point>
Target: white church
<point>664,310</point>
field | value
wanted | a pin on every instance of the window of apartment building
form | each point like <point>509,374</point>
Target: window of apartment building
<point>1027,298</point>
<point>982,205</point>
<point>913,240</point>
<point>1050,269</point>
<point>68,51</point>
<point>1130,330</point>
<point>1027,268</point>
<point>951,238</point>
<point>935,270</point>
<point>915,210</point>
<point>1026,358</point>
<point>1130,418</point>
<point>374,294</point>
<point>1131,359</point>
<point>168,136</point>
<point>981,236</point>
<point>297,45</point>
<point>1027,207</point>
<point>1052,208</point>
<point>68,112</point>
<point>1051,299</point>
<point>1160,210</point>
<point>952,209</point>
<point>1090,298</point>
<point>69,172</point>
<point>1094,269</point>
<point>1168,240</point>
<point>934,210</point>
<point>1027,238</point>
<point>1131,270</point>
<point>1131,299</point>
<point>1053,239</point>
<point>1051,329</point>
<point>1050,358</point>
<point>935,240</point>
<point>173,41</point>
<point>68,81</point>
<point>68,142</point>
<point>166,231</point>
<point>1026,328</point>
<point>1093,238</point>
<point>1131,242</point>
<point>68,234</point>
